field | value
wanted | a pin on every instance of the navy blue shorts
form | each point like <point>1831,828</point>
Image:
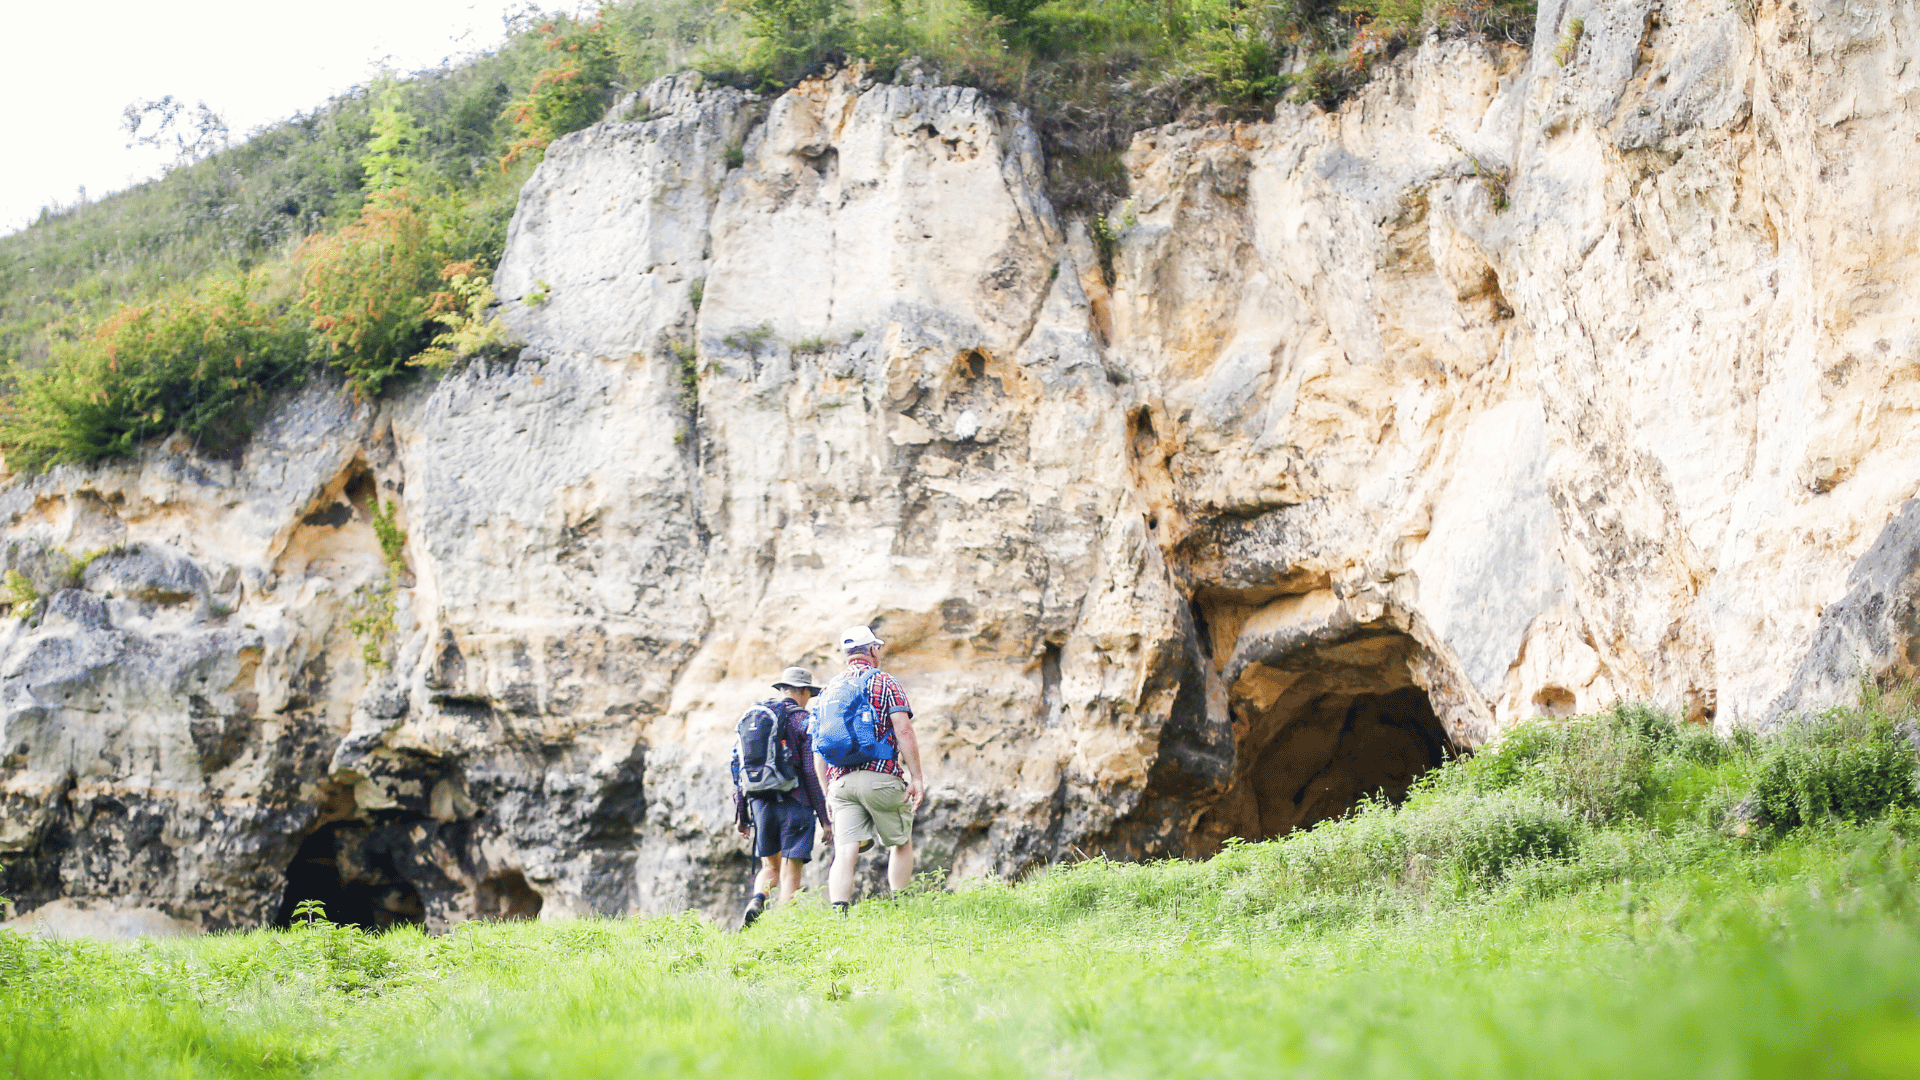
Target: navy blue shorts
<point>781,827</point>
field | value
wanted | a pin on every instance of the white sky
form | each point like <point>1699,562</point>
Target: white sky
<point>70,71</point>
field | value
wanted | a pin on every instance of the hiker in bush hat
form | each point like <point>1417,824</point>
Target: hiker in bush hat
<point>776,793</point>
<point>869,761</point>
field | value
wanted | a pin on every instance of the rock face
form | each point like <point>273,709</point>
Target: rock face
<point>1510,388</point>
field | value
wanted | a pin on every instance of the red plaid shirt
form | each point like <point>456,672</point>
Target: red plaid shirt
<point>887,698</point>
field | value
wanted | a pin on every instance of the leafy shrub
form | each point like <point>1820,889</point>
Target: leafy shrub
<point>344,959</point>
<point>1561,805</point>
<point>787,40</point>
<point>1848,764</point>
<point>373,605</point>
<point>1483,838</point>
<point>200,366</point>
<point>1241,65</point>
<point>569,95</point>
<point>1603,768</point>
<point>1014,18</point>
<point>1509,19</point>
<point>390,159</point>
<point>465,311</point>
<point>371,287</point>
<point>19,595</point>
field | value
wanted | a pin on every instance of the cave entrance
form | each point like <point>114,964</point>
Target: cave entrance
<point>508,896</point>
<point>1322,725</point>
<point>354,879</point>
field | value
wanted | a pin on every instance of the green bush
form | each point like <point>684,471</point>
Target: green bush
<point>466,310</point>
<point>1486,837</point>
<point>1619,763</point>
<point>1561,804</point>
<point>372,285</point>
<point>250,206</point>
<point>1241,64</point>
<point>199,366</point>
<point>1013,18</point>
<point>337,958</point>
<point>787,40</point>
<point>393,150</point>
<point>571,94</point>
<point>1851,765</point>
<point>1459,841</point>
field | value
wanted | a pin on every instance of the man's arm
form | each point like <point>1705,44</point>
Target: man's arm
<point>820,770</point>
<point>909,756</point>
<point>814,782</point>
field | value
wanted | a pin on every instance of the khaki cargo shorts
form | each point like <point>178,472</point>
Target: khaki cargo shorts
<point>867,805</point>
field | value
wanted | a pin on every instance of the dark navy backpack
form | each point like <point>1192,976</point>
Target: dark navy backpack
<point>843,723</point>
<point>768,765</point>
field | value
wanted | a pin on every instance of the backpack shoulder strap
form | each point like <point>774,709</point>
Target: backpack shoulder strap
<point>781,711</point>
<point>772,714</point>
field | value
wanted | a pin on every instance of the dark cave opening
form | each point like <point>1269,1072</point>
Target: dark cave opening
<point>507,895</point>
<point>1340,749</point>
<point>1323,728</point>
<point>354,880</point>
<point>1050,699</point>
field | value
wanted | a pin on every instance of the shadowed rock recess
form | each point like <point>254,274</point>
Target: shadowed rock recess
<point>1509,388</point>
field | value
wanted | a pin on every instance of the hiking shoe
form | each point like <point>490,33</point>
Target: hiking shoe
<point>754,907</point>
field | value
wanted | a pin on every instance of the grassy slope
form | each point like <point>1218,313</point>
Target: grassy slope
<point>1644,950</point>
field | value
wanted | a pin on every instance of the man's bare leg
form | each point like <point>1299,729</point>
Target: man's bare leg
<point>762,881</point>
<point>790,879</point>
<point>900,866</point>
<point>840,874</point>
<point>769,873</point>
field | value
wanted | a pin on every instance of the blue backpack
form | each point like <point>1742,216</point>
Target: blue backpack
<point>842,726</point>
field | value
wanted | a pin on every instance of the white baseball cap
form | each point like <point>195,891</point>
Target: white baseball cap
<point>858,637</point>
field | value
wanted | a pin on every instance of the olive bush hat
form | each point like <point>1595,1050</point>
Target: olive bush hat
<point>795,678</point>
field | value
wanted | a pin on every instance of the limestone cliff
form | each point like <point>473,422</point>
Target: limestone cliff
<point>1522,382</point>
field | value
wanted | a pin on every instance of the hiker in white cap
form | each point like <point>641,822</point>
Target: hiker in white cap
<point>866,754</point>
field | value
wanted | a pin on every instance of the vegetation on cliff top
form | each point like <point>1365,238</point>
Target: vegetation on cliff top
<point>1618,896</point>
<point>329,240</point>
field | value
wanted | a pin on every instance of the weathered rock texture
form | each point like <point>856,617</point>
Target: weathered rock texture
<point>1509,388</point>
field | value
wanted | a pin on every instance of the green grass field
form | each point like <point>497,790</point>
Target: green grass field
<point>1608,898</point>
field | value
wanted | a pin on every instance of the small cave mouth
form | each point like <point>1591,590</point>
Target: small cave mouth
<point>1554,701</point>
<point>355,884</point>
<point>1142,437</point>
<point>1325,729</point>
<point>825,164</point>
<point>1051,701</point>
<point>507,896</point>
